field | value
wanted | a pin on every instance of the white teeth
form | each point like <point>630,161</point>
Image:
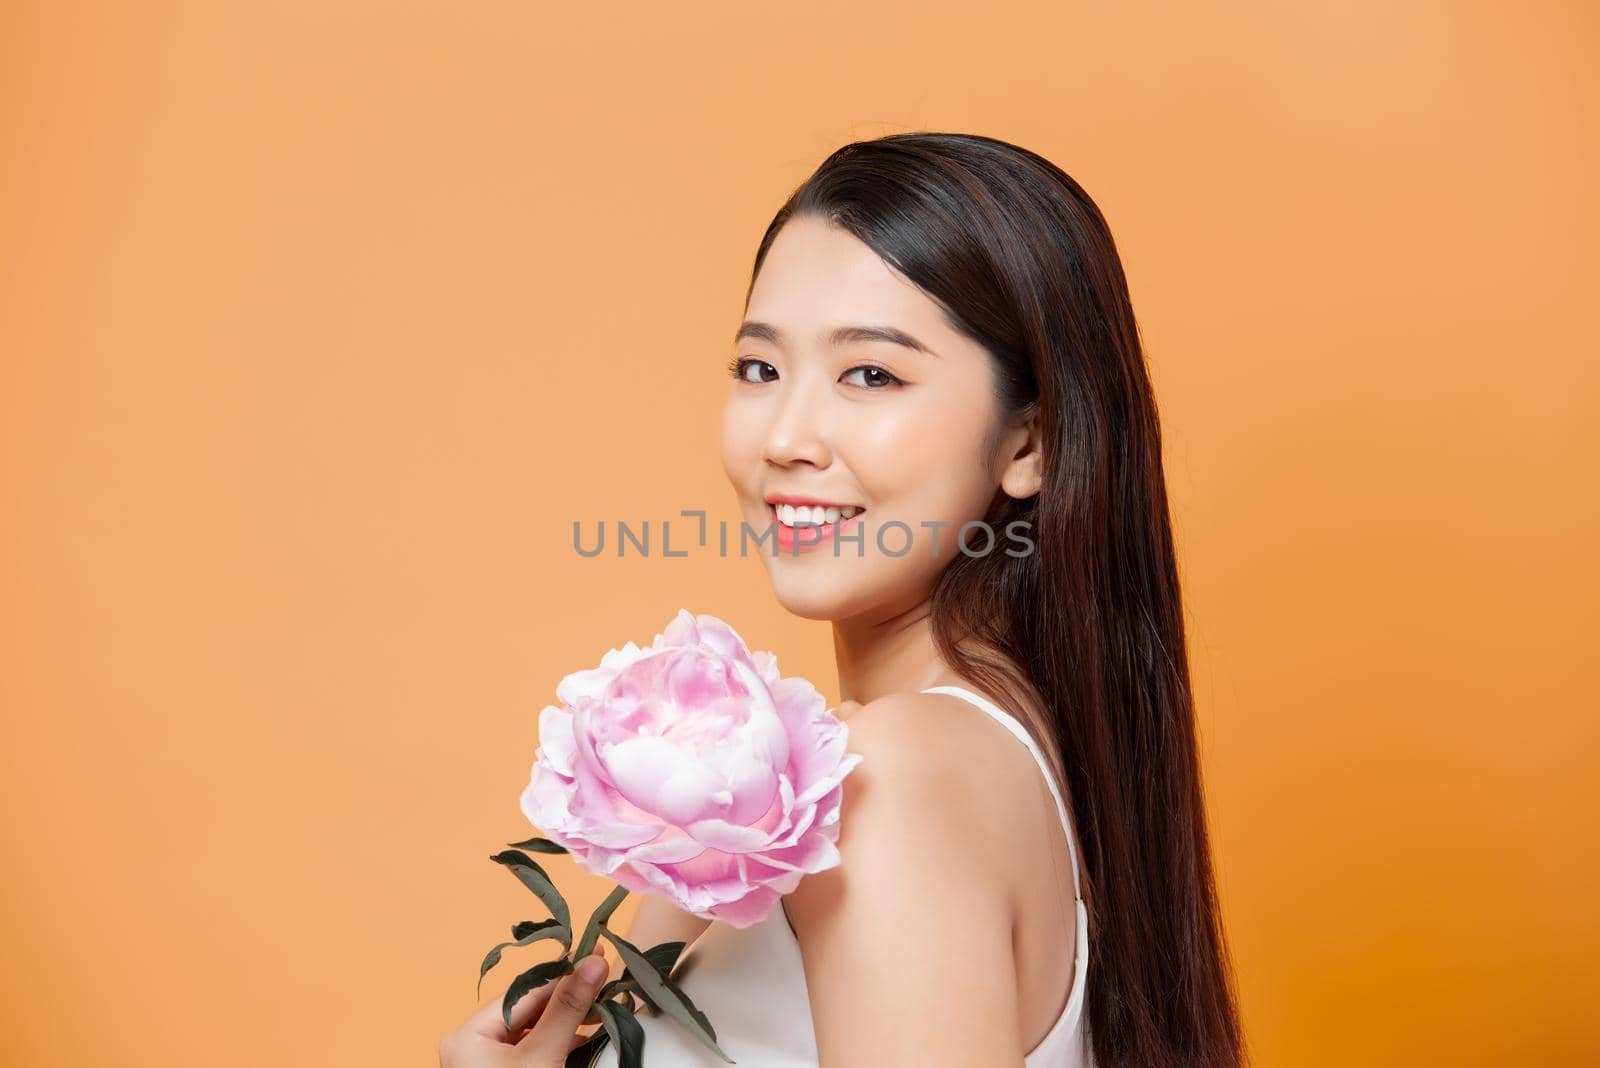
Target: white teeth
<point>812,515</point>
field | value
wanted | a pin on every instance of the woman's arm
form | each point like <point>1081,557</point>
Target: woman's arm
<point>657,920</point>
<point>907,943</point>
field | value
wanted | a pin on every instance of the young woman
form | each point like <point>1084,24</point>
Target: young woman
<point>939,368</point>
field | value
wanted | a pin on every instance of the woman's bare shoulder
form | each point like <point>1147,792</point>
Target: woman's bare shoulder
<point>918,889</point>
<point>935,774</point>
<point>938,772</point>
<point>945,739</point>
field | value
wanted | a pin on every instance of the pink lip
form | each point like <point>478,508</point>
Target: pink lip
<point>783,498</point>
<point>792,540</point>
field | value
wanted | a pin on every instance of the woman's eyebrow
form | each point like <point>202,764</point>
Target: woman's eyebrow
<point>839,335</point>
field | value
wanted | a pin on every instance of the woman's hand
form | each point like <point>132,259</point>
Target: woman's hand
<point>550,1015</point>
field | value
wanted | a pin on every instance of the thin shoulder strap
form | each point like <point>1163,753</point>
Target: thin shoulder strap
<point>1010,723</point>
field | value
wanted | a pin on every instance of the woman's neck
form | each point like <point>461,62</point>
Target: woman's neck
<point>882,656</point>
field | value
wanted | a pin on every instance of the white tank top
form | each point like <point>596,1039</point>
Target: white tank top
<point>750,982</point>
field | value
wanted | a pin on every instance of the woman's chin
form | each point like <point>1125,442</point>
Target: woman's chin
<point>815,597</point>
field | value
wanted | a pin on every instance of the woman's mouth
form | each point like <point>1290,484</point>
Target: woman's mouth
<point>803,527</point>
<point>794,515</point>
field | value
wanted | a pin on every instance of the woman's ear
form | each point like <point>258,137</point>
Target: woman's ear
<point>1022,472</point>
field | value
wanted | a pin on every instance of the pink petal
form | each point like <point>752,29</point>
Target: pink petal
<point>729,837</point>
<point>590,683</point>
<point>555,738</point>
<point>661,778</point>
<point>813,854</point>
<point>748,910</point>
<point>671,848</point>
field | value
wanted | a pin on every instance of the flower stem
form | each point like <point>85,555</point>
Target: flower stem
<point>591,933</point>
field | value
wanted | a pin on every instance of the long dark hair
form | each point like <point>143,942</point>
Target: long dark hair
<point>1088,627</point>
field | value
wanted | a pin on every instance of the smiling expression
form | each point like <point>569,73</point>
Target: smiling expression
<point>851,390</point>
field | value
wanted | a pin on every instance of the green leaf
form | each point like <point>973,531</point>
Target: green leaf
<point>540,845</point>
<point>530,980</point>
<point>664,993</point>
<point>689,1006</point>
<point>534,878</point>
<point>634,989</point>
<point>584,1055</point>
<point>664,956</point>
<point>524,934</point>
<point>623,987</point>
<point>625,1032</point>
<point>591,933</point>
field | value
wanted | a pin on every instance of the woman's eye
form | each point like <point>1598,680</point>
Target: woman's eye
<point>876,377</point>
<point>872,377</point>
<point>740,368</point>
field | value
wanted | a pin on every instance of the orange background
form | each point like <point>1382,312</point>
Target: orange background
<point>322,323</point>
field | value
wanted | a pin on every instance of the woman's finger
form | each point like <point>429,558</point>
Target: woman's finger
<point>564,1010</point>
<point>489,1022</point>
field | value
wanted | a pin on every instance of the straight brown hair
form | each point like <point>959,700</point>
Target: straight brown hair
<point>1088,627</point>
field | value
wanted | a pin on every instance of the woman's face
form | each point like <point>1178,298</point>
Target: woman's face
<point>818,413</point>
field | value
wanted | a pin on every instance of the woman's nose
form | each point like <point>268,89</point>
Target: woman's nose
<point>797,433</point>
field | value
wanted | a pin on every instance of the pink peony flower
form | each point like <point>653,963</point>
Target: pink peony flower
<point>692,770</point>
